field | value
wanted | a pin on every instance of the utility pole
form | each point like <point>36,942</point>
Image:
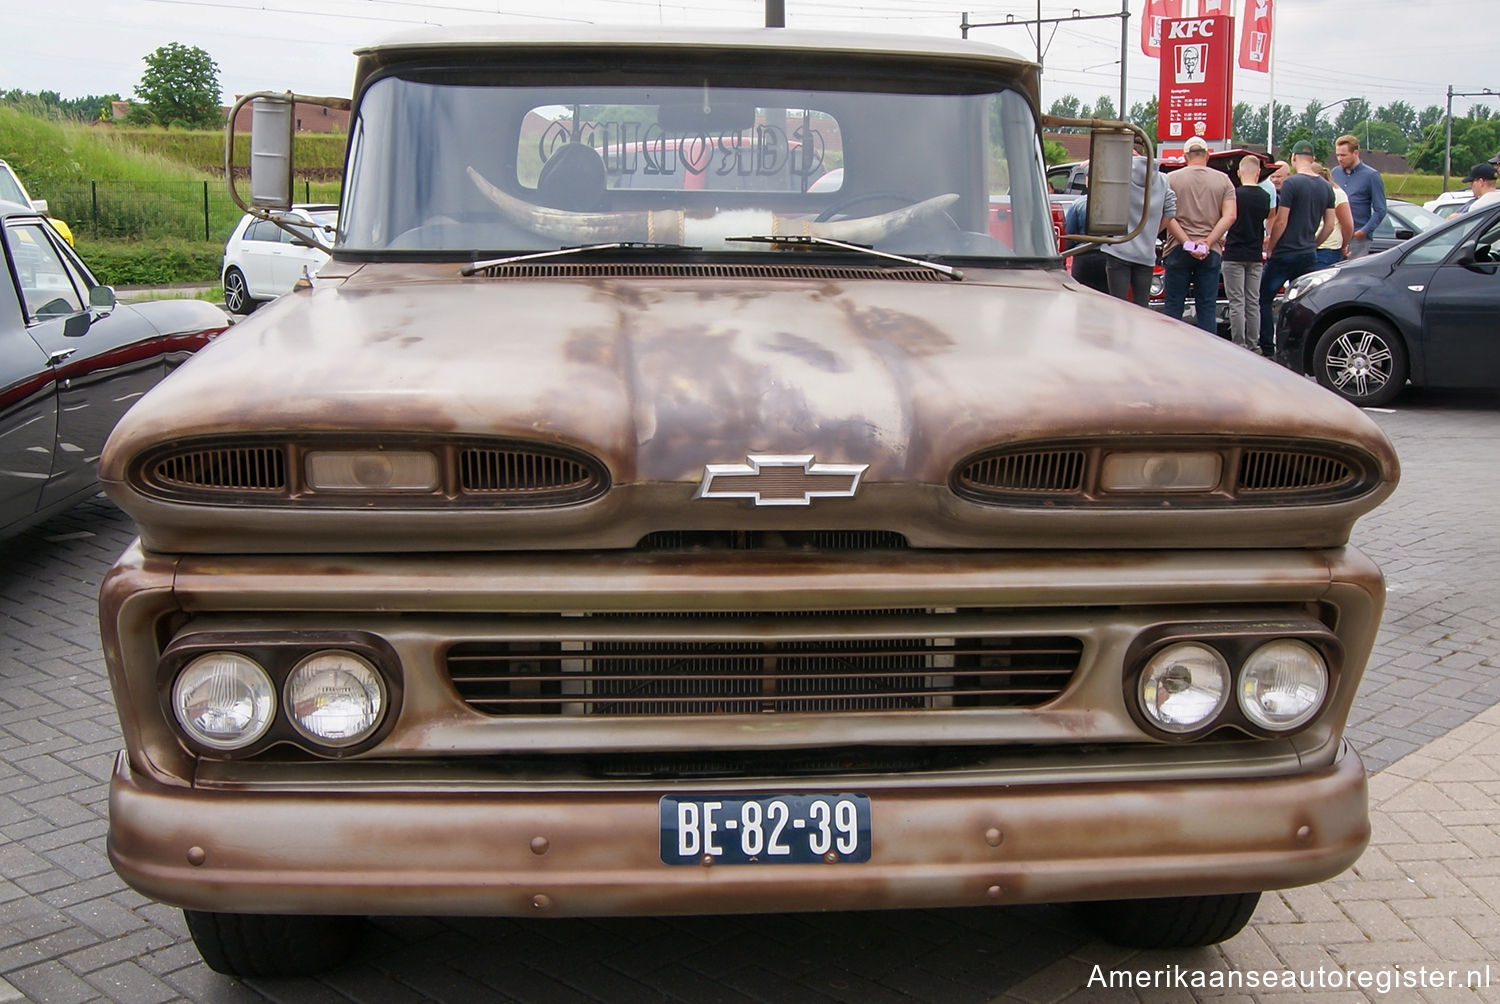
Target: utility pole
<point>965,24</point>
<point>1448,128</point>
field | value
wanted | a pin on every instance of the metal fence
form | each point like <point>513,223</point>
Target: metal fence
<point>189,210</point>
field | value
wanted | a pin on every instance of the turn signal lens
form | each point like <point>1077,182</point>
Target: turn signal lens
<point>224,700</point>
<point>1160,472</point>
<point>335,698</point>
<point>1283,684</point>
<point>1184,687</point>
<point>372,471</point>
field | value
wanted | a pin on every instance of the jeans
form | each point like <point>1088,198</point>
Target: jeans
<point>1280,269</point>
<point>1242,283</point>
<point>1128,280</point>
<point>1328,257</point>
<point>1181,269</point>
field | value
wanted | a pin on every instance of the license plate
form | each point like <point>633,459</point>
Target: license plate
<point>769,830</point>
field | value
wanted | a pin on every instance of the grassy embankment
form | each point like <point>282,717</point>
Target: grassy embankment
<point>135,198</point>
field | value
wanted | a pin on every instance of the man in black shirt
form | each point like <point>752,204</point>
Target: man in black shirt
<point>1244,247</point>
<point>1306,201</point>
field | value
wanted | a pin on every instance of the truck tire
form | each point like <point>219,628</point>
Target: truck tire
<point>1171,922</point>
<point>241,944</point>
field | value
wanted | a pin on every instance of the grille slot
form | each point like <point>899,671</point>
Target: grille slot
<point>1289,470</point>
<point>524,472</point>
<point>648,270</point>
<point>764,540</point>
<point>1046,472</point>
<point>243,469</point>
<point>621,678</point>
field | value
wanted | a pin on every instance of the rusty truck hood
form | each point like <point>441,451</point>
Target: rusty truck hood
<point>658,377</point>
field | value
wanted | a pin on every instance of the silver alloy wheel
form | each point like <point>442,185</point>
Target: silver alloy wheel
<point>1359,363</point>
<point>236,296</point>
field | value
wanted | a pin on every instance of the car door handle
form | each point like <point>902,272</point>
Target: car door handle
<point>59,356</point>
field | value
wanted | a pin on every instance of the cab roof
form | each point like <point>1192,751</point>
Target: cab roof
<point>468,42</point>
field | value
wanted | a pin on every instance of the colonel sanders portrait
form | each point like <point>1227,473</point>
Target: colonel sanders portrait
<point>1190,59</point>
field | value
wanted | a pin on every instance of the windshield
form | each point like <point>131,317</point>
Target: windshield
<point>473,170</point>
<point>10,188</point>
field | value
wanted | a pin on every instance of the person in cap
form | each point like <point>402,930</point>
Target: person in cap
<point>1481,181</point>
<point>1206,210</point>
<point>1304,217</point>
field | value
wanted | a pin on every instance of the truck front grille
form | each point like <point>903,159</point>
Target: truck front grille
<point>752,676</point>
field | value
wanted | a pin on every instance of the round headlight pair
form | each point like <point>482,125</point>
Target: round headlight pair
<point>1281,686</point>
<point>226,701</point>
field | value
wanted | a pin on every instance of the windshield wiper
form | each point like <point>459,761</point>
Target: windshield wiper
<point>805,240</point>
<point>480,266</point>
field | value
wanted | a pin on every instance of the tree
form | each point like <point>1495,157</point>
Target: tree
<point>1401,115</point>
<point>1351,116</point>
<point>1249,123</point>
<point>181,87</point>
<point>1104,108</point>
<point>1143,115</point>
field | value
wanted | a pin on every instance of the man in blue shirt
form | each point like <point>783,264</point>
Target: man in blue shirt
<point>1366,192</point>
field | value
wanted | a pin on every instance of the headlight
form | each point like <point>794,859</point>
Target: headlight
<point>372,470</point>
<point>1283,684</point>
<point>335,698</point>
<point>1160,472</point>
<point>1183,687</point>
<point>224,700</point>
<point>1309,282</point>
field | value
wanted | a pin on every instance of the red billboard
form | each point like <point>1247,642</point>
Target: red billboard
<point>1197,79</point>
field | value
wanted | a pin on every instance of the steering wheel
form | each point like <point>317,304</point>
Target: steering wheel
<point>842,205</point>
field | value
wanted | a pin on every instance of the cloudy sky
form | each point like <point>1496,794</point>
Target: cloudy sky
<point>1382,50</point>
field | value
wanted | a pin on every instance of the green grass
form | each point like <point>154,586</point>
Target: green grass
<point>160,262</point>
<point>1417,188</point>
<point>103,184</point>
<point>317,153</point>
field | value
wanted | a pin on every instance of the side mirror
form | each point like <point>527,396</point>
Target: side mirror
<point>272,120</point>
<point>271,125</point>
<point>102,298</point>
<point>1405,235</point>
<point>1111,157</point>
<point>40,205</point>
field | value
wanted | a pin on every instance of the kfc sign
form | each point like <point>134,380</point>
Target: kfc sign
<point>1197,79</point>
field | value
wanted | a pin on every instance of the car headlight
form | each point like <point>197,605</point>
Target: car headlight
<point>1309,282</point>
<point>1184,687</point>
<point>1160,472</point>
<point>1282,684</point>
<point>372,470</point>
<point>335,698</point>
<point>224,700</point>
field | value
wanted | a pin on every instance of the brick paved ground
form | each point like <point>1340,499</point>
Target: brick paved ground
<point>69,931</point>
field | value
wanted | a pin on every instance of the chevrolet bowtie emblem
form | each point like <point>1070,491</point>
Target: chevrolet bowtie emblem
<point>780,480</point>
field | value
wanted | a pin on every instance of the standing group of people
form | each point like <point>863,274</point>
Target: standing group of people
<point>1258,234</point>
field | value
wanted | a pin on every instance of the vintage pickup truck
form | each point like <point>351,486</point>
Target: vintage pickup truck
<point>679,496</point>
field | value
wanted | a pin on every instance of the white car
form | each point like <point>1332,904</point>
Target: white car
<point>1448,203</point>
<point>263,260</point>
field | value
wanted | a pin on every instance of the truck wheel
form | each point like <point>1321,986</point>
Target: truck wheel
<point>242,944</point>
<point>1362,361</point>
<point>1172,922</point>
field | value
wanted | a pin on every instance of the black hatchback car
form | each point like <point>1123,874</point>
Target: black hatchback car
<point>1425,311</point>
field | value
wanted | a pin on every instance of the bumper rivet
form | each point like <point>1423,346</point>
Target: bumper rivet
<point>540,902</point>
<point>196,856</point>
<point>993,837</point>
<point>1304,834</point>
<point>994,892</point>
<point>832,857</point>
<point>708,859</point>
<point>540,845</point>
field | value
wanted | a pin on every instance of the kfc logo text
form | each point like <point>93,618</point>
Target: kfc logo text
<point>1191,29</point>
